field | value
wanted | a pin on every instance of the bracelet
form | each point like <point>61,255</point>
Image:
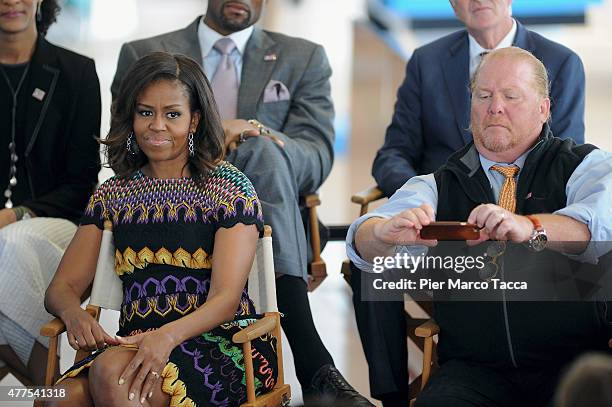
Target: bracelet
<point>22,213</point>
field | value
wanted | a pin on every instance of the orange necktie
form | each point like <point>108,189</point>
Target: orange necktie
<point>507,195</point>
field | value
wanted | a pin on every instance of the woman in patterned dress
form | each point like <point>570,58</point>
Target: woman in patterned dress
<point>185,226</point>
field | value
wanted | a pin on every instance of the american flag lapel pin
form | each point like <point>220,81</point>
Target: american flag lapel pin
<point>39,94</point>
<point>270,57</point>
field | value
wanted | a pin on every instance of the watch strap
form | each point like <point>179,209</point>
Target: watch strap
<point>537,225</point>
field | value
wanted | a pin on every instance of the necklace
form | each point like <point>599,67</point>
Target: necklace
<point>12,147</point>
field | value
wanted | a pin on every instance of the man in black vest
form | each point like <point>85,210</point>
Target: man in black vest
<point>519,184</point>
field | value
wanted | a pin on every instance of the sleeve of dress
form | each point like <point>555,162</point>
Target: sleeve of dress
<point>236,200</point>
<point>96,211</point>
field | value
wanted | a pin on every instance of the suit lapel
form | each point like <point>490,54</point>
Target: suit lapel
<point>523,38</point>
<point>43,80</point>
<point>186,42</point>
<point>456,70</point>
<point>260,58</point>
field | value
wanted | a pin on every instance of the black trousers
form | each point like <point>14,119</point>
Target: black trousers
<point>463,384</point>
<point>309,352</point>
<point>382,329</point>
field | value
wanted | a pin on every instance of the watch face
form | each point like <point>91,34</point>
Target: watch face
<point>538,242</point>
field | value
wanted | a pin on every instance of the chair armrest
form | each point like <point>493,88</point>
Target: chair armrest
<point>53,328</point>
<point>263,326</point>
<point>427,329</point>
<point>368,195</point>
<point>365,197</point>
<point>312,200</point>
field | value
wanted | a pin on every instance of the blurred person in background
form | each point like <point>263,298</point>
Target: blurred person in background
<point>430,122</point>
<point>273,94</point>
<point>49,164</point>
<point>588,383</point>
<point>426,128</point>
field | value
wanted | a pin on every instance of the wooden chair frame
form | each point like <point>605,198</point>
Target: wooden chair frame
<point>317,270</point>
<point>421,331</point>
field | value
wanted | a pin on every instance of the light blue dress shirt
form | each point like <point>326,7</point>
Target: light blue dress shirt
<point>588,191</point>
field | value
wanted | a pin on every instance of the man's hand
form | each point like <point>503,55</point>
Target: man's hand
<point>405,227</point>
<point>7,216</point>
<point>496,223</point>
<point>233,128</point>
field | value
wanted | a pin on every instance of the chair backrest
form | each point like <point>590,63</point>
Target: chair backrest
<point>107,291</point>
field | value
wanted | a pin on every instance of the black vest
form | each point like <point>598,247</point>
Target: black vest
<point>506,333</point>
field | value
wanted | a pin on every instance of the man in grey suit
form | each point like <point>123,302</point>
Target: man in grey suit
<point>273,94</point>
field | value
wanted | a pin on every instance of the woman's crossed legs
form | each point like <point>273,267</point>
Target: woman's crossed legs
<point>101,387</point>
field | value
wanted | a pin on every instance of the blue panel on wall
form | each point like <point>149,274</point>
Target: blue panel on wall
<point>441,9</point>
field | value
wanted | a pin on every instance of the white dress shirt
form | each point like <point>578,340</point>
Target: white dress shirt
<point>476,49</point>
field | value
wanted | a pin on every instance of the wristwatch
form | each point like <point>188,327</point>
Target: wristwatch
<point>537,241</point>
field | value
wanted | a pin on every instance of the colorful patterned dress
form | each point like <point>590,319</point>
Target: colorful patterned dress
<point>164,238</point>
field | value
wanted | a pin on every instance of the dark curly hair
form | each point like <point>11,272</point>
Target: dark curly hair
<point>49,11</point>
<point>209,138</point>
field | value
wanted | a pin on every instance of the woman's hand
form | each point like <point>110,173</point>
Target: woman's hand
<point>84,332</point>
<point>154,349</point>
<point>7,216</point>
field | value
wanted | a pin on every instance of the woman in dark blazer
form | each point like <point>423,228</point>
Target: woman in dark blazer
<point>49,164</point>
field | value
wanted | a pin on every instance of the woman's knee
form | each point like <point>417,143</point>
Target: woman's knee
<point>104,375</point>
<point>76,393</point>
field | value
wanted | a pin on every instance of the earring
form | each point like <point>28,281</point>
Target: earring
<point>191,146</point>
<point>130,144</point>
<point>39,12</point>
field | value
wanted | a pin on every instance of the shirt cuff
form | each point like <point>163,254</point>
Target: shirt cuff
<point>351,250</point>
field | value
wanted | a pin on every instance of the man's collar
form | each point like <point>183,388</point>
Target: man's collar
<point>519,162</point>
<point>476,49</point>
<point>208,37</point>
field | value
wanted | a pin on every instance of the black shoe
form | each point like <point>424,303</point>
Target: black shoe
<point>329,388</point>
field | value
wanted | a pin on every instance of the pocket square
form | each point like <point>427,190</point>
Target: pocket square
<point>276,91</point>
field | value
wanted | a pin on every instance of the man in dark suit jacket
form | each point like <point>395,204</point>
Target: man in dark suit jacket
<point>431,121</point>
<point>286,153</point>
<point>431,118</point>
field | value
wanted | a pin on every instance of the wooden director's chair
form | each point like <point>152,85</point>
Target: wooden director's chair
<point>317,270</point>
<point>421,331</point>
<point>107,293</point>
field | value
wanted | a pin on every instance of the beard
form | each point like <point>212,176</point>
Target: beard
<point>235,23</point>
<point>496,140</point>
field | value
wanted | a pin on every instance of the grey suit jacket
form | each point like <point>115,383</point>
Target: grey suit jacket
<point>304,122</point>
